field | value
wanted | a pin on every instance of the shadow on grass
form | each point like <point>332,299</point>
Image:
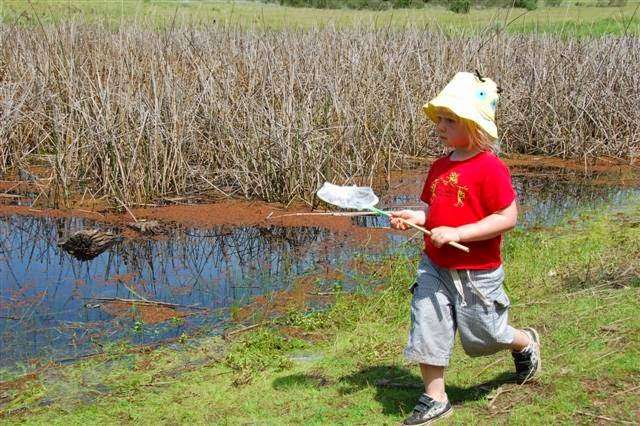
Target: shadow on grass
<point>397,388</point>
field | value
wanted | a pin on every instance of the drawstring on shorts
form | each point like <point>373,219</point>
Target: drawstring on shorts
<point>455,275</point>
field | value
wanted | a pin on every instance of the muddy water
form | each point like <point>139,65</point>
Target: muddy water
<point>53,306</point>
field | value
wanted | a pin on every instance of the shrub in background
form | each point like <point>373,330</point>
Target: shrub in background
<point>611,3</point>
<point>460,6</point>
<point>355,4</point>
<point>493,3</point>
<point>374,4</point>
<point>526,4</point>
<point>406,4</point>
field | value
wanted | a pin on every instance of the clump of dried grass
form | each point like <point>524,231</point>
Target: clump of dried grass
<point>134,114</point>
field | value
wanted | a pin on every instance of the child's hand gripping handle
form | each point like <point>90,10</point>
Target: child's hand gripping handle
<point>420,228</point>
<point>426,231</point>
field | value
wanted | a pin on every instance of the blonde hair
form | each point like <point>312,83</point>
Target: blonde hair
<point>478,138</point>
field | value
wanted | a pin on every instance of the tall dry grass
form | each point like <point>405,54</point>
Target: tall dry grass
<point>133,114</point>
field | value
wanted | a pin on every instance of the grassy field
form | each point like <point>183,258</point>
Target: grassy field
<point>579,284</point>
<point>568,19</point>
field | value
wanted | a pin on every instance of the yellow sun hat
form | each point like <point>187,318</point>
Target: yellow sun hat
<point>468,96</point>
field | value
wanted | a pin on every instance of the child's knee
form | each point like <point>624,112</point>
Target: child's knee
<point>485,334</point>
<point>473,346</point>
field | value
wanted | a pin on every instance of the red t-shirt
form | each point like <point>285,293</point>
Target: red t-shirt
<point>462,192</point>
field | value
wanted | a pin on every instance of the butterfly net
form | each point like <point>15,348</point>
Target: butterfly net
<point>348,197</point>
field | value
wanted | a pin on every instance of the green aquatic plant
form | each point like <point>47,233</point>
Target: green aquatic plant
<point>137,327</point>
<point>307,321</point>
<point>260,350</point>
<point>177,321</point>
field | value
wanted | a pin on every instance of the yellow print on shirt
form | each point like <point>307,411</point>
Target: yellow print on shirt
<point>451,182</point>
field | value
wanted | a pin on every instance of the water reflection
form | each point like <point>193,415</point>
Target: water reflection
<point>47,297</point>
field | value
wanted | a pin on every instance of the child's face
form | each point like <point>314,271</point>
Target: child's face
<point>451,130</point>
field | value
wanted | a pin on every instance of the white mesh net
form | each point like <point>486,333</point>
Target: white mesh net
<point>348,197</point>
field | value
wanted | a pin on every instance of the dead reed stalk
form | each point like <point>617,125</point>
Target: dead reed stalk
<point>135,114</point>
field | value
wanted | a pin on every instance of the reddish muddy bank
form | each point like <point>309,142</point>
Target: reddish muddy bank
<point>209,213</point>
<point>147,313</point>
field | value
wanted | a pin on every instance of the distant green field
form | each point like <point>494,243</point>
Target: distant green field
<point>567,19</point>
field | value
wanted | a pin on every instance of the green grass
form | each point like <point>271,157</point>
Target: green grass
<point>579,284</point>
<point>569,19</point>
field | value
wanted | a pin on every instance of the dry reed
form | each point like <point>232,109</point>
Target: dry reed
<point>133,114</point>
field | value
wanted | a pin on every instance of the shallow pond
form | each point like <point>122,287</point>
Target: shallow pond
<point>53,306</point>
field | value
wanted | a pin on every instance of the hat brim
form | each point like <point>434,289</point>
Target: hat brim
<point>461,109</point>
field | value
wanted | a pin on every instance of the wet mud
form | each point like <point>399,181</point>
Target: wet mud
<point>148,313</point>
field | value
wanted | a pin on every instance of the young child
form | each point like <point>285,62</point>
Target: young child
<point>470,200</point>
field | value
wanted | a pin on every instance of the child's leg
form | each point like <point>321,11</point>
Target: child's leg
<point>520,341</point>
<point>433,378</point>
<point>433,328</point>
<point>430,342</point>
<point>484,327</point>
<point>527,357</point>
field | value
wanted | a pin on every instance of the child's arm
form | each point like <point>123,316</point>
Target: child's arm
<point>491,226</point>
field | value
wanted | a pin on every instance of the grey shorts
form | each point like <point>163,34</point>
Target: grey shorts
<point>444,300</point>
